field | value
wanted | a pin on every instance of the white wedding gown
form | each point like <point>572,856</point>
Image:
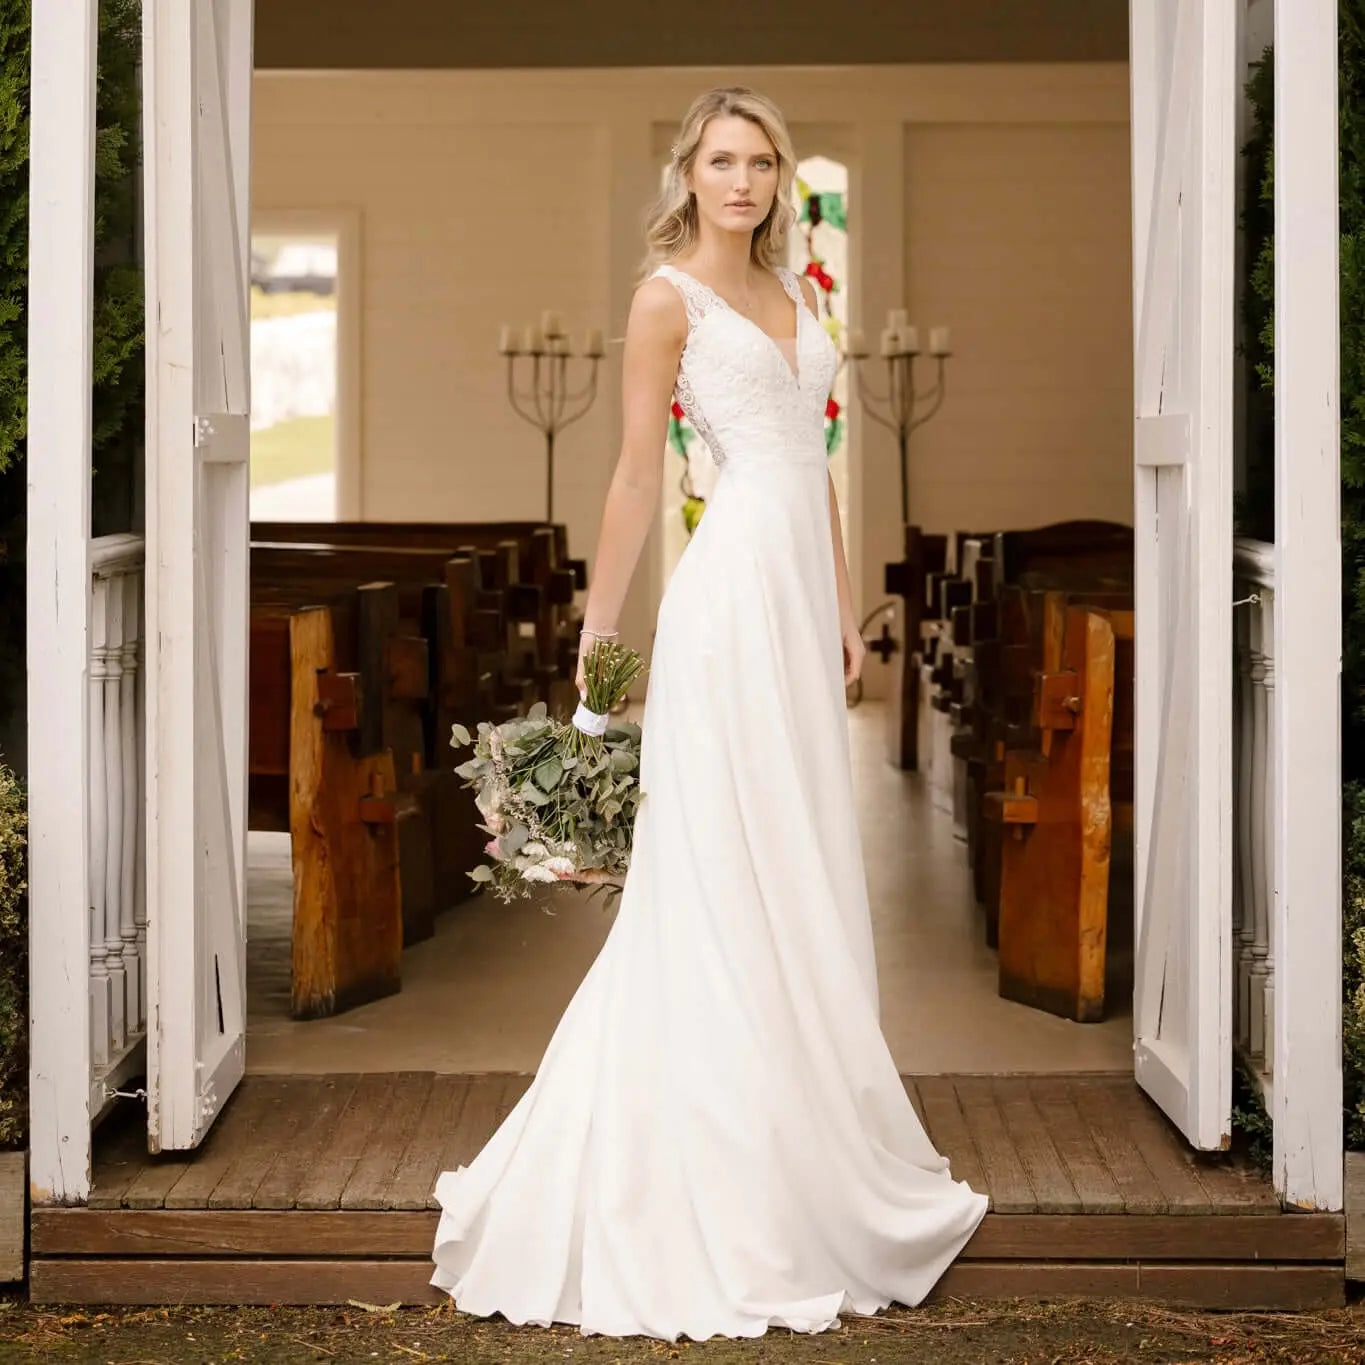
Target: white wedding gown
<point>717,1139</point>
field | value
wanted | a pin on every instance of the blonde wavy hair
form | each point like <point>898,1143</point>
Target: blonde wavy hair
<point>672,227</point>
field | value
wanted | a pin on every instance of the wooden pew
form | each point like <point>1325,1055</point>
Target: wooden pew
<point>388,669</point>
<point>344,815</point>
<point>908,579</point>
<point>539,556</point>
<point>1065,924</point>
<point>1028,643</point>
<point>486,614</point>
<point>1092,562</point>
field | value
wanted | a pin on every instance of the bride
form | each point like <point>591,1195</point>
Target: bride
<point>717,1139</point>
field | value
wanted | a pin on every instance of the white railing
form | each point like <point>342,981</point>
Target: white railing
<point>118,904</point>
<point>1253,748</point>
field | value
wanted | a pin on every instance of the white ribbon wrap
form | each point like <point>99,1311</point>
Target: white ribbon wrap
<point>589,721</point>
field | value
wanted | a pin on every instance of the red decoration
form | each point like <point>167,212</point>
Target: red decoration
<point>832,409</point>
<point>816,270</point>
<point>678,411</point>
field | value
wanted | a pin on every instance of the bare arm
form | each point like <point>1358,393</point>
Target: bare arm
<point>655,335</point>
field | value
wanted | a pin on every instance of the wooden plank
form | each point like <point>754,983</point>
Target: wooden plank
<point>324,1281</point>
<point>1233,1186</point>
<point>484,1108</point>
<point>230,1135</point>
<point>1276,1237</point>
<point>912,1094</point>
<point>1268,1287</point>
<point>275,1129</point>
<point>325,1101</point>
<point>1047,1175</point>
<point>1355,1215</point>
<point>60,237</point>
<point>13,1208</point>
<point>120,1153</point>
<point>1040,1279</point>
<point>948,1129</point>
<point>1164,1150</point>
<point>1266,1238</point>
<point>374,1172</point>
<point>153,1281</point>
<point>415,1176</point>
<point>1096,1191</point>
<point>1136,1183</point>
<point>1211,1286</point>
<point>159,1174</point>
<point>1006,1179</point>
<point>322,1185</point>
<point>232,1232</point>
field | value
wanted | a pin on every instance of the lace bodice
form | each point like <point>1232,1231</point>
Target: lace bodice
<point>737,387</point>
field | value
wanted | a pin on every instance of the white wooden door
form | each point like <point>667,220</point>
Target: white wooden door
<point>197,84</point>
<point>1184,90</point>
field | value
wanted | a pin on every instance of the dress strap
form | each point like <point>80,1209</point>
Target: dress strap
<point>697,298</point>
<point>791,282</point>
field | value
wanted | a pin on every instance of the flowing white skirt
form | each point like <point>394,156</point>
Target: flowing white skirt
<point>717,1139</point>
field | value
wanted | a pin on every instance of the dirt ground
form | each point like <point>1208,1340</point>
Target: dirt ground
<point>953,1333</point>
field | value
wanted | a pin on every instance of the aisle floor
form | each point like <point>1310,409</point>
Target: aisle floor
<point>485,993</point>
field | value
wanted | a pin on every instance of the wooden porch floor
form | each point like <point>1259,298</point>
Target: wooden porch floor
<point>318,1189</point>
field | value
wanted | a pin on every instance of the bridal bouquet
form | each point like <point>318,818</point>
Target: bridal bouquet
<point>559,799</point>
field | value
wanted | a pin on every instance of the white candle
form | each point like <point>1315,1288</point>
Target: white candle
<point>938,341</point>
<point>855,344</point>
<point>551,324</point>
<point>507,342</point>
<point>909,338</point>
<point>896,318</point>
<point>594,346</point>
<point>890,342</point>
<point>535,340</point>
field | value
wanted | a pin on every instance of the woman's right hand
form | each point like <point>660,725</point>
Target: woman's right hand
<point>586,641</point>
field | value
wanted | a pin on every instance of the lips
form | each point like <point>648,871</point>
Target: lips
<point>741,204</point>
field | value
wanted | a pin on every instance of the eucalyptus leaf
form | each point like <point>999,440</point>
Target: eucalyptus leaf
<point>459,736</point>
<point>482,873</point>
<point>548,774</point>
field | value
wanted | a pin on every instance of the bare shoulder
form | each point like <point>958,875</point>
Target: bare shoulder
<point>657,311</point>
<point>808,293</point>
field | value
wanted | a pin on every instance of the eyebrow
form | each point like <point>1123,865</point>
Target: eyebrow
<point>725,151</point>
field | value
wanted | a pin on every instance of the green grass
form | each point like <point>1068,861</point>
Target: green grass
<point>292,450</point>
<point>265,305</point>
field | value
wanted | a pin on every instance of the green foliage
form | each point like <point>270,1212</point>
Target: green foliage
<point>1256,512</point>
<point>1250,1120</point>
<point>1353,965</point>
<point>1352,190</point>
<point>118,311</point>
<point>14,77</point>
<point>13,962</point>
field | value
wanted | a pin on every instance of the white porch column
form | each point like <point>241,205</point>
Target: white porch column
<point>60,294</point>
<point>1306,919</point>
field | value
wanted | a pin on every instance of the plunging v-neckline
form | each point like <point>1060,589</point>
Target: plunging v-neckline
<point>793,370</point>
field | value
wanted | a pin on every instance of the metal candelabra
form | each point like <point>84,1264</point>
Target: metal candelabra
<point>543,396</point>
<point>898,409</point>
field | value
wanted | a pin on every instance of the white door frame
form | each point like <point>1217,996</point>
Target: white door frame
<point>60,343</point>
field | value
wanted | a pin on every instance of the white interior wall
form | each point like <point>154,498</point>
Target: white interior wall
<point>993,199</point>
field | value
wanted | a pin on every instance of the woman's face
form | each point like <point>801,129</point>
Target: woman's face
<point>734,174</point>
